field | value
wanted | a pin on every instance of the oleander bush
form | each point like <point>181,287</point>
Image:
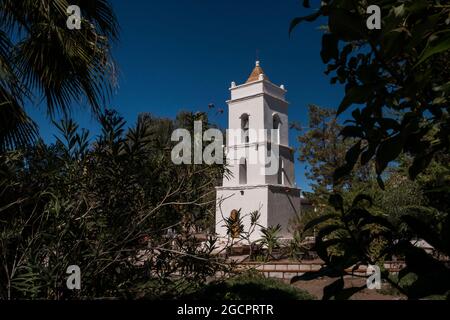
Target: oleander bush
<point>105,205</point>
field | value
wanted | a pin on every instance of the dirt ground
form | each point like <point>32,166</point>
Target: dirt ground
<point>315,287</point>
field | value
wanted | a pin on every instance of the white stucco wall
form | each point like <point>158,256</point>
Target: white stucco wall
<point>247,199</point>
<point>279,107</point>
<point>286,164</point>
<point>251,106</point>
<point>277,202</point>
<point>283,205</point>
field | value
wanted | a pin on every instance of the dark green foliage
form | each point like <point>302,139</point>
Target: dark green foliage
<point>373,227</point>
<point>360,236</point>
<point>105,206</point>
<point>399,75</point>
<point>396,87</point>
<point>270,239</point>
<point>250,286</point>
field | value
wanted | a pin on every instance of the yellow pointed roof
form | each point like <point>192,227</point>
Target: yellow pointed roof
<point>257,71</point>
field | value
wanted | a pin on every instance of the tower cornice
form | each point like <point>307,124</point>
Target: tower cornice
<point>248,84</point>
<point>256,144</point>
<point>262,94</point>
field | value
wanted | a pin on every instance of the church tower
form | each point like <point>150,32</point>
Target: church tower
<point>258,106</point>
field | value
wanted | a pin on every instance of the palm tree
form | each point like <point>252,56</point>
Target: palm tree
<point>42,60</point>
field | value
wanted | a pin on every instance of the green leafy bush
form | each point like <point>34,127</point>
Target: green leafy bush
<point>250,286</point>
<point>106,206</point>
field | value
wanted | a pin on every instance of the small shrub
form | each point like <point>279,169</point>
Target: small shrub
<point>250,286</point>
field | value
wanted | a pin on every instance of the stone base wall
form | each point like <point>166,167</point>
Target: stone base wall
<point>288,270</point>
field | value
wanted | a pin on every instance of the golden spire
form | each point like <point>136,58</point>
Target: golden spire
<point>256,74</point>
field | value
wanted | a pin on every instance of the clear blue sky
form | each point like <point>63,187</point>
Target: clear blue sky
<point>183,55</point>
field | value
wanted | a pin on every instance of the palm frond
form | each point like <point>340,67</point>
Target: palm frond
<point>64,67</point>
<point>16,128</point>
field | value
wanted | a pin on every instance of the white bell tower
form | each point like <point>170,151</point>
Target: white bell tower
<point>256,105</point>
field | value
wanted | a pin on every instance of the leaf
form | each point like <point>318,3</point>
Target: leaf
<point>355,95</point>
<point>445,88</point>
<point>371,219</point>
<point>440,100</point>
<point>346,25</point>
<point>323,272</point>
<point>403,273</point>
<point>360,197</point>
<point>332,289</point>
<point>332,242</point>
<point>356,215</point>
<point>352,154</point>
<point>417,5</point>
<point>296,21</point>
<point>438,46</point>
<point>388,124</point>
<point>352,132</point>
<point>327,230</point>
<point>329,47</point>
<point>368,154</point>
<point>399,11</point>
<point>423,230</point>
<point>340,173</point>
<point>417,260</point>
<point>351,157</point>
<point>420,163</point>
<point>380,182</point>
<point>336,201</point>
<point>388,150</point>
<point>319,220</point>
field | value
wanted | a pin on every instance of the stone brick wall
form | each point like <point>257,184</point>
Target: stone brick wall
<point>288,270</point>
